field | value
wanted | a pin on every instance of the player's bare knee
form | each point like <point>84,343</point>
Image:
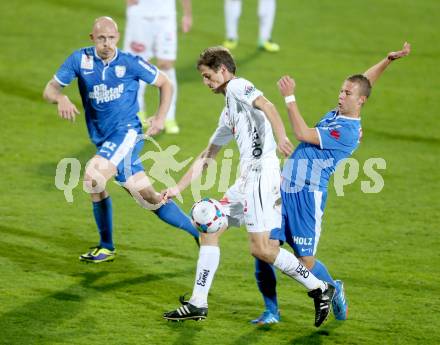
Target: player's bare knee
<point>98,171</point>
<point>94,184</point>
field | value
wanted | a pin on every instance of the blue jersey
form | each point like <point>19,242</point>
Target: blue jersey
<point>310,166</point>
<point>108,91</point>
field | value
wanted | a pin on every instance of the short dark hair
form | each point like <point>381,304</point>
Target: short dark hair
<point>363,82</point>
<point>214,57</point>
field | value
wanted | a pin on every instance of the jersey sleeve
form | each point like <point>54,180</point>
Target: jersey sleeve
<point>244,91</point>
<point>338,137</point>
<point>222,135</point>
<point>69,70</point>
<point>145,70</point>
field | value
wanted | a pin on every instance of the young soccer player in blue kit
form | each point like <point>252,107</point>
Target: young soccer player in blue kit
<point>306,175</point>
<point>108,81</point>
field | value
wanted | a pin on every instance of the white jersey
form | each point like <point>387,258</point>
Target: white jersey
<point>155,8</point>
<point>247,124</point>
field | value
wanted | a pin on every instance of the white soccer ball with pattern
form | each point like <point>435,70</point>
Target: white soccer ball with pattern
<point>207,216</point>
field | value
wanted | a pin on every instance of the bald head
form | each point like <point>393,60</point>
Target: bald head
<point>105,36</point>
<point>104,22</point>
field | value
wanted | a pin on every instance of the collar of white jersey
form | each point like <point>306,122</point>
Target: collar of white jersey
<point>227,83</point>
<point>108,63</point>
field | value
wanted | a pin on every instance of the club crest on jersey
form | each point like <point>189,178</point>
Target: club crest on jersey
<point>249,89</point>
<point>120,71</point>
<point>86,61</point>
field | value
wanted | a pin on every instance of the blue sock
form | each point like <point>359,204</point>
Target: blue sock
<point>267,283</point>
<point>102,210</point>
<point>321,272</point>
<point>172,214</point>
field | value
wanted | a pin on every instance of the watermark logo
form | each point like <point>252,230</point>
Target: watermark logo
<point>163,166</point>
<point>314,174</point>
<point>72,181</point>
<point>370,167</point>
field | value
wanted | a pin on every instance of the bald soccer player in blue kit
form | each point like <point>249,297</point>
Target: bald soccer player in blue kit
<point>108,82</point>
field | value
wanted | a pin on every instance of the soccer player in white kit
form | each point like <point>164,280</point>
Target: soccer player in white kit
<point>254,199</point>
<point>151,32</point>
<point>266,16</point>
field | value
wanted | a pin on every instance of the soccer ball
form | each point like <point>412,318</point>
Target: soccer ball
<point>207,216</point>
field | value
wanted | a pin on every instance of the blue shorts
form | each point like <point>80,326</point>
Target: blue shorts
<point>301,220</point>
<point>122,148</point>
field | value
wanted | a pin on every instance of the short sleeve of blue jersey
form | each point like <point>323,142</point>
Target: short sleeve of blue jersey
<point>69,70</point>
<point>144,70</point>
<point>338,137</point>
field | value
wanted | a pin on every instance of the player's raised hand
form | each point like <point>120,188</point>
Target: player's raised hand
<point>66,109</point>
<point>285,147</point>
<point>286,85</point>
<point>401,53</point>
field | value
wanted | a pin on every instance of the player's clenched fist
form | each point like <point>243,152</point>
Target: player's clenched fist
<point>286,85</point>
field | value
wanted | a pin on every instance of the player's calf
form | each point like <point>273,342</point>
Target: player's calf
<point>262,249</point>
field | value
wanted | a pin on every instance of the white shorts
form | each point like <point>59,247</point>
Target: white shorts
<point>150,37</point>
<point>255,199</point>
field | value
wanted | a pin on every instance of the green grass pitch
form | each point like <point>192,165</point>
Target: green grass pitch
<point>384,246</point>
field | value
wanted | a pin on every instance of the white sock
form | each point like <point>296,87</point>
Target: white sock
<point>141,95</point>
<point>209,258</point>
<point>291,266</point>
<point>266,14</point>
<point>232,15</point>
<point>171,74</point>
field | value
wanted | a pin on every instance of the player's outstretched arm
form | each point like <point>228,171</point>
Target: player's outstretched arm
<point>302,132</point>
<point>374,72</point>
<point>284,144</point>
<point>157,122</point>
<point>196,169</point>
<point>53,94</point>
